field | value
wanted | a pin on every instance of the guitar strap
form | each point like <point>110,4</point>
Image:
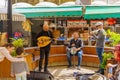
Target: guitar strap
<point>48,33</point>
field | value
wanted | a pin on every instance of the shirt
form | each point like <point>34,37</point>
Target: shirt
<point>78,43</point>
<point>19,67</point>
<point>100,37</point>
<point>45,33</point>
<point>5,53</point>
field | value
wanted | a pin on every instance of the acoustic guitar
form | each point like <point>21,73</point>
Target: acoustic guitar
<point>43,41</point>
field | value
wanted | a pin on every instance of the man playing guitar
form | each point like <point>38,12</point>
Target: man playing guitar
<point>75,48</point>
<point>44,50</point>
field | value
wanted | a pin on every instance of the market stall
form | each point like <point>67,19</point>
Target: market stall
<point>58,16</point>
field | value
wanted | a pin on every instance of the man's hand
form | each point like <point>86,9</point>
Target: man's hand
<point>73,45</point>
<point>91,33</point>
<point>75,49</point>
<point>28,73</point>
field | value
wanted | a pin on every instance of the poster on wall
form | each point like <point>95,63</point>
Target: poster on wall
<point>76,23</point>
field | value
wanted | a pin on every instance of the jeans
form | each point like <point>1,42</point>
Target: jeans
<point>79,54</point>
<point>21,77</point>
<point>99,53</point>
<point>44,52</point>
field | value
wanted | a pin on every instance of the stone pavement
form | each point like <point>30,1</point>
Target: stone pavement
<point>63,73</point>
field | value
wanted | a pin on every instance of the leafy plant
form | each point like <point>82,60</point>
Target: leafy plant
<point>17,43</point>
<point>114,37</point>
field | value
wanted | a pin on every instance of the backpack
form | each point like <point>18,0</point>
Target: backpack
<point>36,75</point>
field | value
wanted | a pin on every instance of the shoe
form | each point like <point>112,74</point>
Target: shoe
<point>78,68</point>
<point>102,71</point>
<point>98,71</point>
<point>40,70</point>
<point>46,71</point>
<point>69,66</point>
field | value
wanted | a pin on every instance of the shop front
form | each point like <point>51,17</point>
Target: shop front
<point>66,20</point>
<point>17,20</point>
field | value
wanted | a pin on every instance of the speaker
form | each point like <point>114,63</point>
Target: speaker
<point>36,75</point>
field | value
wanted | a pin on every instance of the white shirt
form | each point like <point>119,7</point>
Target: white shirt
<point>5,53</point>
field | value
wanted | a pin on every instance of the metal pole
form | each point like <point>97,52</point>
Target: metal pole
<point>9,20</point>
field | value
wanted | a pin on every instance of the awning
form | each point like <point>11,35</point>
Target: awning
<point>68,11</point>
<point>102,12</point>
<point>15,16</point>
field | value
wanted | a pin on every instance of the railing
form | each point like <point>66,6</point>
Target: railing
<point>57,57</point>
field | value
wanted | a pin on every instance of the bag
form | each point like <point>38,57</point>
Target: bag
<point>91,76</point>
<point>34,75</point>
<point>83,76</point>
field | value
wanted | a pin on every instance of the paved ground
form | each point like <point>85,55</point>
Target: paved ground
<point>64,73</point>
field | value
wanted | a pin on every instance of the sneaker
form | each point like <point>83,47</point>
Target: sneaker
<point>78,68</point>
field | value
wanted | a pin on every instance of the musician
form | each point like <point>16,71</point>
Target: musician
<point>100,36</point>
<point>76,44</point>
<point>44,51</point>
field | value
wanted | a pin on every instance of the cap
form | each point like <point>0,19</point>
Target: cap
<point>99,23</point>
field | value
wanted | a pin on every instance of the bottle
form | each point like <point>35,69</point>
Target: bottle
<point>110,70</point>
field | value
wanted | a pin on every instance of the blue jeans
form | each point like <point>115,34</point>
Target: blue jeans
<point>99,53</point>
<point>79,54</point>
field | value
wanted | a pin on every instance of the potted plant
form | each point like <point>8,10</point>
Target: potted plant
<point>113,37</point>
<point>17,43</point>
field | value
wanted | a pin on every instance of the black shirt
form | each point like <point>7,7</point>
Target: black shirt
<point>45,33</point>
<point>78,43</point>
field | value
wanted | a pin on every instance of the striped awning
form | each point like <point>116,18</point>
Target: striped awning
<point>15,16</point>
<point>102,12</point>
<point>44,12</point>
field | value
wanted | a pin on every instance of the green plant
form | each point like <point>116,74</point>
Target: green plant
<point>17,43</point>
<point>114,37</point>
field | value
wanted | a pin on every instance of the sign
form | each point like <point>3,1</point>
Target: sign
<point>76,23</point>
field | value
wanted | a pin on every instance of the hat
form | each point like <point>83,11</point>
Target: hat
<point>98,24</point>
